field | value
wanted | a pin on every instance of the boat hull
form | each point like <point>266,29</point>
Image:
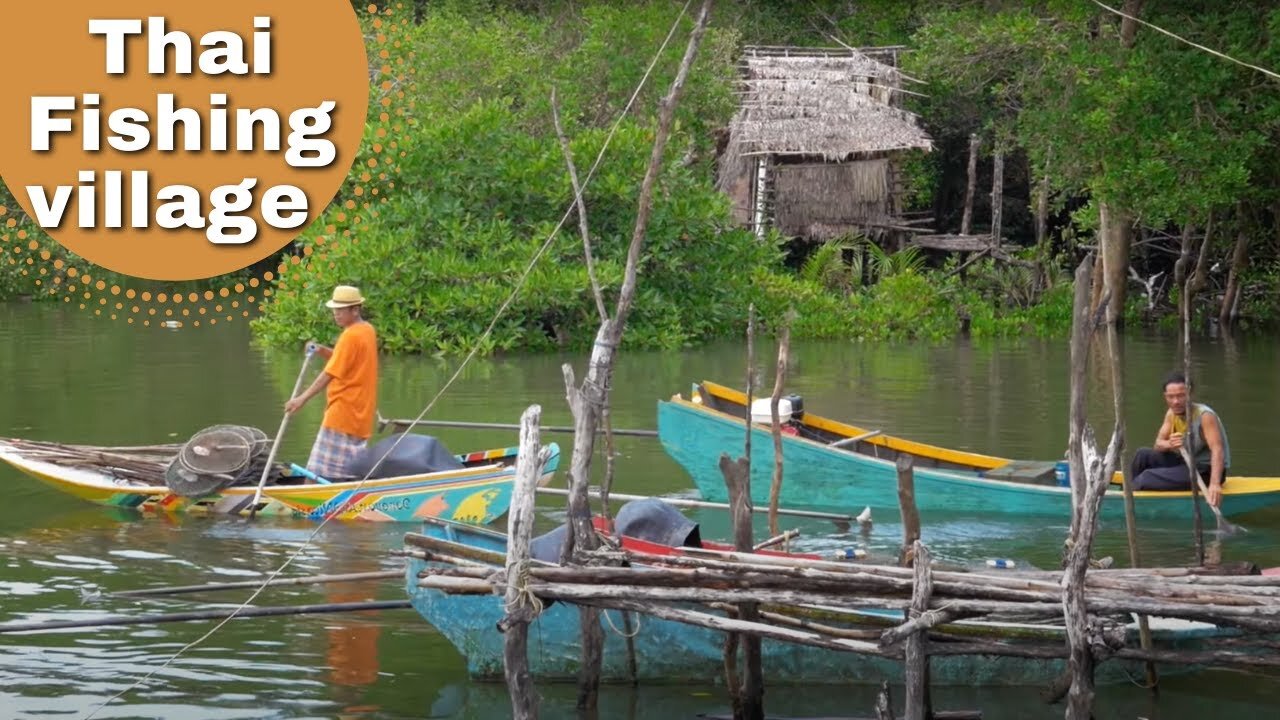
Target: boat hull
<point>478,494</point>
<point>817,475</point>
<point>672,652</point>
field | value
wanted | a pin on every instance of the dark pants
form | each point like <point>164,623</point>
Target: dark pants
<point>1153,470</point>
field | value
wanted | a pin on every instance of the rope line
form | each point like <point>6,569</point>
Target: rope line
<point>1179,38</point>
<point>515,291</point>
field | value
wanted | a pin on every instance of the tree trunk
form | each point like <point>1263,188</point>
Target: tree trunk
<point>1116,236</point>
<point>1199,276</point>
<point>1080,330</point>
<point>966,221</point>
<point>1239,259</point>
<point>1042,210</point>
<point>1184,257</point>
<point>997,198</point>
<point>1129,25</point>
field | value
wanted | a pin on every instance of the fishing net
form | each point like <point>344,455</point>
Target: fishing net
<point>218,457</point>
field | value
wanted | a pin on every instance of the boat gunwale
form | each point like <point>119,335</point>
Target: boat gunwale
<point>1236,486</point>
<point>77,476</point>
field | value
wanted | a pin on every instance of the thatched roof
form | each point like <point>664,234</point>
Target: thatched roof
<point>832,104</point>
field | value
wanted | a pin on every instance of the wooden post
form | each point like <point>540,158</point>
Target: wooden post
<point>747,697</point>
<point>760,184</point>
<point>966,220</point>
<point>1130,516</point>
<point>1088,486</point>
<point>1080,331</point>
<point>780,379</point>
<point>1196,520</point>
<point>997,198</point>
<point>916,651</point>
<point>884,703</point>
<point>907,505</point>
<point>522,606</point>
<point>588,402</point>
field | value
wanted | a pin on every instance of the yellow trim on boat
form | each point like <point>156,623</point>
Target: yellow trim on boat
<point>1234,485</point>
<point>959,457</point>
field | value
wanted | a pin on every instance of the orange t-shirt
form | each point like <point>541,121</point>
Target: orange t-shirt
<point>352,395</point>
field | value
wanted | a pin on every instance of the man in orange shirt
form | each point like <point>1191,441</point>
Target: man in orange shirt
<point>351,379</point>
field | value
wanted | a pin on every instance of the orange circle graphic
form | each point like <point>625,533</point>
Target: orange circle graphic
<point>185,140</point>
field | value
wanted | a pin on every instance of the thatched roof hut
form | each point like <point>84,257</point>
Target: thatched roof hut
<point>811,149</point>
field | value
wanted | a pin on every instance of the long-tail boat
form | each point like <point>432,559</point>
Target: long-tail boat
<point>832,464</point>
<point>478,491</point>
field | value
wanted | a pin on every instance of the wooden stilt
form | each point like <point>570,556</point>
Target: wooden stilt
<point>522,606</point>
<point>907,506</point>
<point>916,652</point>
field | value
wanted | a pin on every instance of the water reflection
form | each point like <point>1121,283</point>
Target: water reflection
<point>70,378</point>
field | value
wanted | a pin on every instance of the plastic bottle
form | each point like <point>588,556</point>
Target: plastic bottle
<point>1002,563</point>
<point>850,554</point>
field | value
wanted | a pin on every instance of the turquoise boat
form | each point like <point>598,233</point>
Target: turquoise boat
<point>829,464</point>
<point>672,652</point>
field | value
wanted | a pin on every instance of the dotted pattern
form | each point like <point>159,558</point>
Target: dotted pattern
<point>24,246</point>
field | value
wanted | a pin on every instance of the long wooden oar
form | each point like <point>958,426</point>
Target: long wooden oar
<point>1224,525</point>
<point>245,584</point>
<point>275,444</point>
<point>219,614</point>
<point>384,422</point>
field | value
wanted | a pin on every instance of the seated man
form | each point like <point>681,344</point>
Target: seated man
<point>1163,467</point>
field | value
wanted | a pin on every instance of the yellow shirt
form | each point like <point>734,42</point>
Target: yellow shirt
<point>352,396</point>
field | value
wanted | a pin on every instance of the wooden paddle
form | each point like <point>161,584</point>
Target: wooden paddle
<point>275,444</point>
<point>1224,525</point>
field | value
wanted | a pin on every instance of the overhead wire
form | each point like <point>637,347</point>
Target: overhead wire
<point>479,343</point>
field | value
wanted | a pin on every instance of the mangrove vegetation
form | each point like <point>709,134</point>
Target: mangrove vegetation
<point>1091,130</point>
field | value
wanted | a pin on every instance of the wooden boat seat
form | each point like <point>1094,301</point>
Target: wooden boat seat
<point>1038,472</point>
<point>856,439</point>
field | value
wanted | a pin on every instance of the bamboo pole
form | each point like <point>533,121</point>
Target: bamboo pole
<point>687,503</point>
<point>218,614</point>
<point>1116,351</point>
<point>522,607</point>
<point>214,587</point>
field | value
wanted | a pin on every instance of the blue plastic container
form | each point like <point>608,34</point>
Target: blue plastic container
<point>1062,471</point>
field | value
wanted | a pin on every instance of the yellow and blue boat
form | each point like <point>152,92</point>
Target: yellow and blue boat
<point>830,464</point>
<point>130,477</point>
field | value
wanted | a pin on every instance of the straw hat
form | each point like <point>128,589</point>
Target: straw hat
<point>345,296</point>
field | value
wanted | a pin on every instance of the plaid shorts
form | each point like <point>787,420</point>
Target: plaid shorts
<point>333,453</point>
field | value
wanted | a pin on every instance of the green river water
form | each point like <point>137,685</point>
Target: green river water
<point>73,378</point>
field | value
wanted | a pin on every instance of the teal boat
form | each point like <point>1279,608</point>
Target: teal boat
<point>672,652</point>
<point>830,464</point>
